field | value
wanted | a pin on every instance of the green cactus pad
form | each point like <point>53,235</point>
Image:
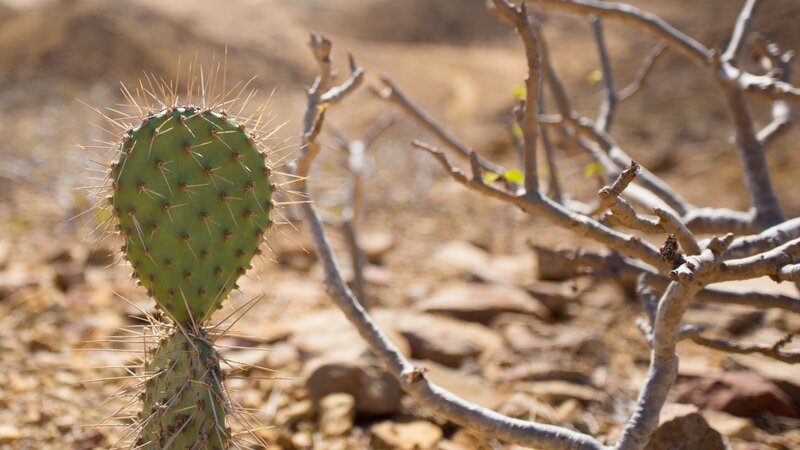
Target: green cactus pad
<point>184,404</point>
<point>192,194</point>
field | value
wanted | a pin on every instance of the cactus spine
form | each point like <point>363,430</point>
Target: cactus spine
<point>191,192</point>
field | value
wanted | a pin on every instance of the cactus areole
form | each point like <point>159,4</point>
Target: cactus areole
<point>193,197</point>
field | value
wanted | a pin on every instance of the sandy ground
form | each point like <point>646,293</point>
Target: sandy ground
<point>62,296</point>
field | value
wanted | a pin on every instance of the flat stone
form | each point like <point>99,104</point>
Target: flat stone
<point>458,257</point>
<point>328,332</point>
<point>682,427</point>
<point>744,394</point>
<point>472,388</point>
<point>548,371</point>
<point>734,319</point>
<point>482,302</point>
<point>414,435</point>
<point>9,434</point>
<point>556,391</point>
<point>375,245</point>
<point>556,296</point>
<point>729,425</point>
<point>295,412</point>
<point>336,414</point>
<point>445,340</point>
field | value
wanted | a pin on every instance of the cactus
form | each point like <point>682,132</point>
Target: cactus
<point>184,403</point>
<point>191,192</point>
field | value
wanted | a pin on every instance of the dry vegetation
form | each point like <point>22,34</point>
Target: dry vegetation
<point>566,352</point>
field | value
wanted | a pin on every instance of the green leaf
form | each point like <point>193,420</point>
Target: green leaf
<point>593,169</point>
<point>594,77</point>
<point>515,176</point>
<point>490,177</point>
<point>519,92</point>
<point>516,130</point>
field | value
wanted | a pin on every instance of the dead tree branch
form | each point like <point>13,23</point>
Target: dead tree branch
<point>683,270</point>
<point>412,379</point>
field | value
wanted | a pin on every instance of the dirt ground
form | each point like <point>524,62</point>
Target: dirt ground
<point>69,312</point>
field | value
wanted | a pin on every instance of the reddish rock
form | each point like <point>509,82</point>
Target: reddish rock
<point>683,428</point>
<point>744,394</point>
<point>482,302</point>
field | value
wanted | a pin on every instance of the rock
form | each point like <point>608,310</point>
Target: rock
<point>101,257</point>
<point>518,405</point>
<point>482,302</point>
<point>472,388</point>
<point>786,376</point>
<point>744,394</point>
<point>328,332</point>
<point>555,296</point>
<point>548,370</point>
<point>378,276</point>
<point>554,264</point>
<point>458,257</point>
<point>9,434</point>
<point>16,279</point>
<point>730,426</point>
<point>520,338</point>
<point>682,427</point>
<point>293,250</point>
<point>445,340</point>
<point>555,392</point>
<point>375,391</point>
<point>734,319</point>
<point>375,245</point>
<point>336,414</point>
<point>283,356</point>
<point>696,366</point>
<point>414,435</point>
<point>5,253</point>
<point>295,412</point>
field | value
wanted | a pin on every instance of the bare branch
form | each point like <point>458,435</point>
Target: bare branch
<point>719,220</point>
<point>584,127</point>
<point>643,73</point>
<point>751,154</point>
<point>553,184</point>
<point>393,94</point>
<point>606,114</point>
<point>558,214</point>
<point>690,48</point>
<point>629,14</point>
<point>530,129</point>
<point>621,210</point>
<point>623,268</point>
<point>335,94</point>
<point>766,240</point>
<point>740,31</point>
<point>663,367</point>
<point>774,351</point>
<point>768,263</point>
<point>780,65</point>
<point>671,224</point>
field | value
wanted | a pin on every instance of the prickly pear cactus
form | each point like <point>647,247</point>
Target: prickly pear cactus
<point>184,404</point>
<point>192,194</point>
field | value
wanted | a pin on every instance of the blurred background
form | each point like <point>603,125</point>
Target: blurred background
<point>60,290</point>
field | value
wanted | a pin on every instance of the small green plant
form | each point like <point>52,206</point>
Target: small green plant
<point>191,197</point>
